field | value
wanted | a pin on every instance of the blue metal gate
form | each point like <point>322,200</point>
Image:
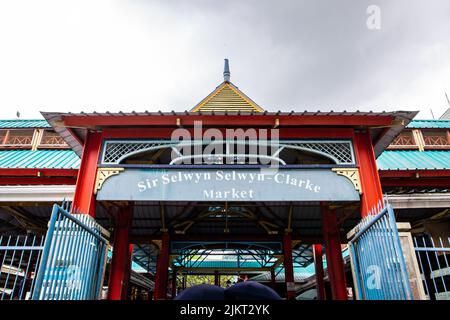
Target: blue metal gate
<point>433,256</point>
<point>19,262</point>
<point>73,258</point>
<point>378,262</point>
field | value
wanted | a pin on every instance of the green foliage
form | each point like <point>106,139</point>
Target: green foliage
<point>194,279</point>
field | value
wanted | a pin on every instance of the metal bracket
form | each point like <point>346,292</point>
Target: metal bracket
<point>103,174</point>
<point>352,174</point>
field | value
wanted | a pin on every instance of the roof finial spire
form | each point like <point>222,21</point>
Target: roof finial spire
<point>226,72</point>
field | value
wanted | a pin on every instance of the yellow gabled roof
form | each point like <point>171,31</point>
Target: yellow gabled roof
<point>227,97</point>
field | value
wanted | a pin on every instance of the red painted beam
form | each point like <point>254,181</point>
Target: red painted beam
<point>230,120</point>
<point>414,173</point>
<point>225,237</point>
<point>32,172</point>
<point>160,133</point>
<point>437,183</point>
<point>37,181</point>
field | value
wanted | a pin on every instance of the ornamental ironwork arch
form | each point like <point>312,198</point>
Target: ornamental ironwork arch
<point>339,151</point>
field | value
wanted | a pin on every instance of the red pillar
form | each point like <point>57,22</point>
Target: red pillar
<point>84,199</point>
<point>372,195</point>
<point>288,266</point>
<point>335,263</point>
<point>318,263</point>
<point>162,266</point>
<point>120,269</point>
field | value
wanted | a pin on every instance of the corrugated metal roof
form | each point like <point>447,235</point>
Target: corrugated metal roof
<point>39,159</point>
<point>414,159</point>
<point>10,124</point>
<point>56,119</point>
<point>407,115</point>
<point>429,124</point>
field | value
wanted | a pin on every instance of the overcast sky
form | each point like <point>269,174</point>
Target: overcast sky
<point>168,55</point>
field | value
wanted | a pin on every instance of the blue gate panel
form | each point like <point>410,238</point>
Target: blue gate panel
<point>19,262</point>
<point>378,260</point>
<point>73,258</point>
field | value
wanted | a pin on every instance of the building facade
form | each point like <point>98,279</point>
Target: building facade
<point>225,189</point>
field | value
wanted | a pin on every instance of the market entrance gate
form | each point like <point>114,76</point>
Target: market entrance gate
<point>73,258</point>
<point>378,261</point>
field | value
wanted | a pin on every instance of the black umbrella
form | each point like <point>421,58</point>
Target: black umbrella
<point>250,290</point>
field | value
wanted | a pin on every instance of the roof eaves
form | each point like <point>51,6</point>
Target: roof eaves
<point>55,120</point>
<point>401,120</point>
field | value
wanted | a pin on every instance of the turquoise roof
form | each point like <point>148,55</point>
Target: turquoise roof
<point>41,123</point>
<point>9,124</point>
<point>39,159</point>
<point>414,159</point>
<point>431,124</point>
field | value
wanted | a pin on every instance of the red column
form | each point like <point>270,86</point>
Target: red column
<point>335,263</point>
<point>372,195</point>
<point>318,263</point>
<point>162,266</point>
<point>288,266</point>
<point>84,199</point>
<point>127,274</point>
<point>119,273</point>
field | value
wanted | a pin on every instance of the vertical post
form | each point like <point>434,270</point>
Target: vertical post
<point>119,273</point>
<point>127,274</point>
<point>372,195</point>
<point>272,278</point>
<point>184,281</point>
<point>162,266</point>
<point>84,199</point>
<point>216,278</point>
<point>174,281</point>
<point>318,263</point>
<point>335,263</point>
<point>288,266</point>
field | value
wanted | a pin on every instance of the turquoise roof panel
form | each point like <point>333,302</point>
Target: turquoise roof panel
<point>17,124</point>
<point>39,159</point>
<point>413,160</point>
<point>429,124</point>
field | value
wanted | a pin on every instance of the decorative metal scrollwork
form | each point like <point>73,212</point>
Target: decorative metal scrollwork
<point>352,174</point>
<point>103,174</point>
<point>340,152</point>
